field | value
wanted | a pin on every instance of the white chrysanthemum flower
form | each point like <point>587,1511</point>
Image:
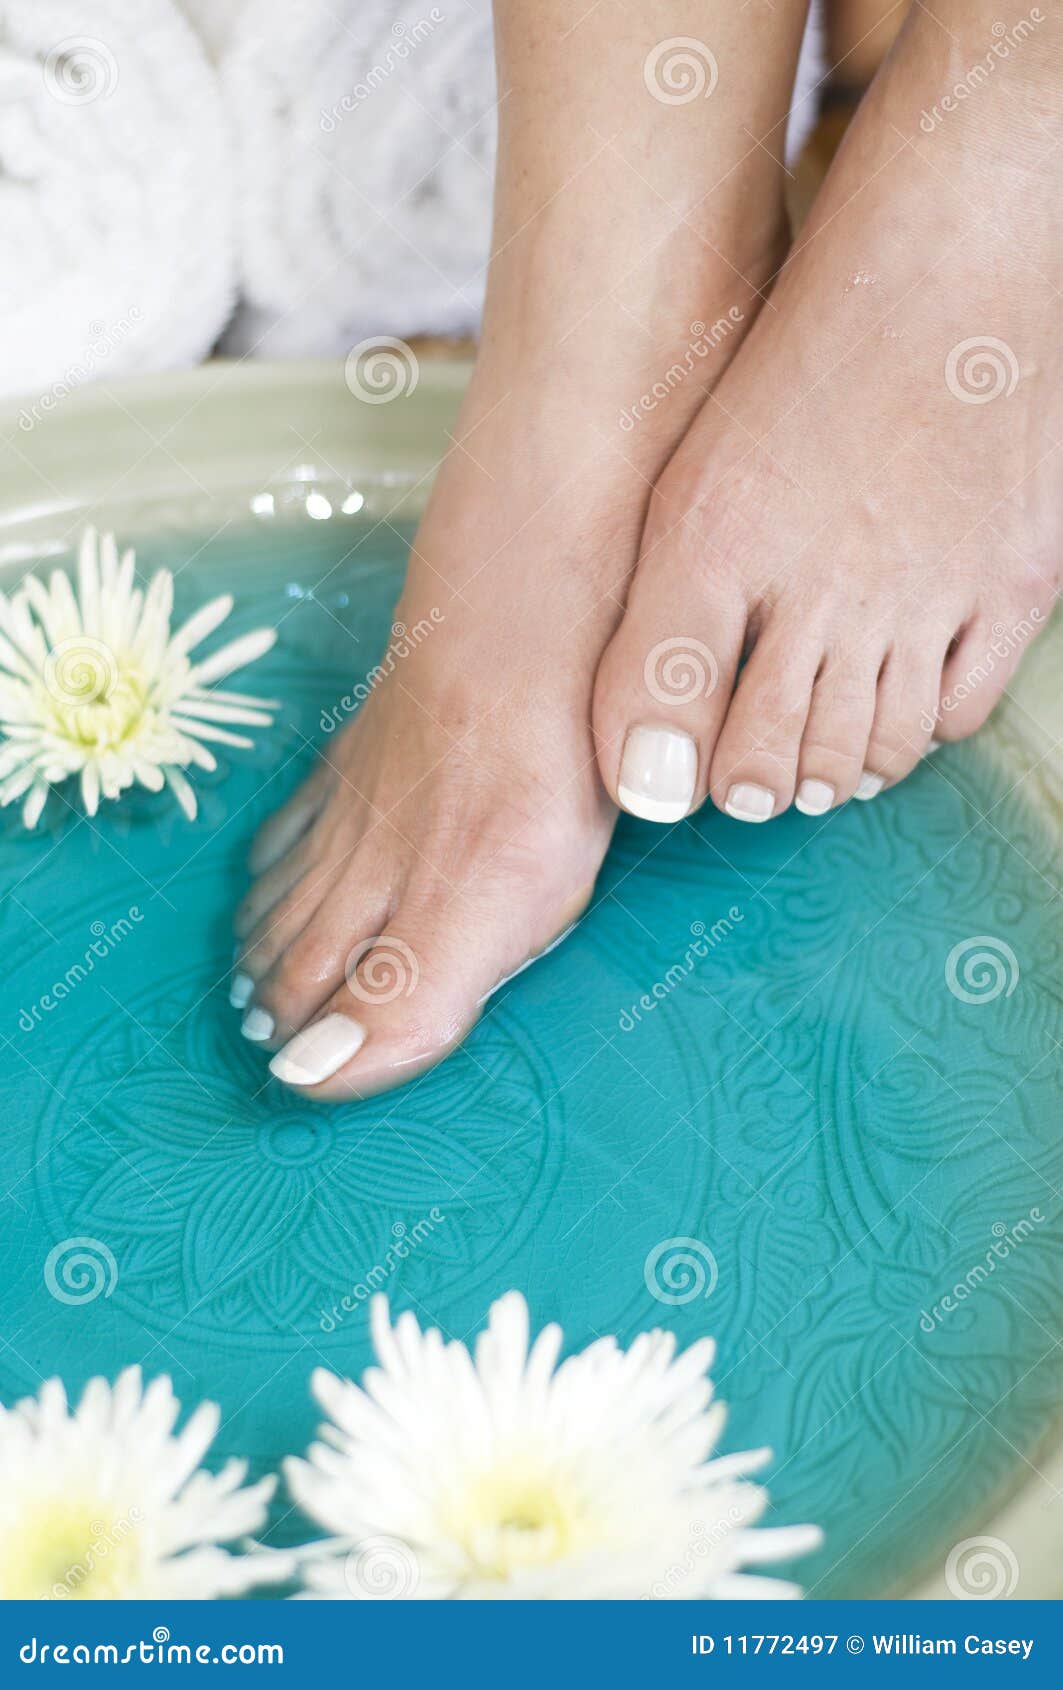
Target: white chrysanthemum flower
<point>93,683</point>
<point>505,1475</point>
<point>106,1502</point>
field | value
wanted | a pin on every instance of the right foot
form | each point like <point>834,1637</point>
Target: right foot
<point>456,828</point>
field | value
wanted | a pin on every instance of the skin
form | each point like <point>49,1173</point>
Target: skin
<point>809,493</point>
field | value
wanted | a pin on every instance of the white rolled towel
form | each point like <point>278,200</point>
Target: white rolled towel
<point>117,243</point>
<point>365,140</point>
<point>365,147</point>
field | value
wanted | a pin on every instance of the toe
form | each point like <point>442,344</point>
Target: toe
<point>261,948</point>
<point>663,685</point>
<point>310,967</point>
<point>408,996</point>
<point>754,767</point>
<point>276,836</point>
<point>978,669</point>
<point>834,743</point>
<point>270,888</point>
<point>906,704</point>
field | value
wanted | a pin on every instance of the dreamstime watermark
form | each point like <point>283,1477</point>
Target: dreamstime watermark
<point>703,1540</point>
<point>982,1568</point>
<point>104,341</point>
<point>981,968</point>
<point>1005,37</point>
<point>1004,644</point>
<point>680,670</point>
<point>104,1541</point>
<point>403,641</point>
<point>1005,1240</point>
<point>381,369</point>
<point>707,337</point>
<point>80,69</point>
<point>406,38</point>
<point>703,940</point>
<point>78,1270</point>
<point>382,1569</point>
<point>105,939</point>
<point>679,1270</point>
<point>381,969</point>
<point>405,1242</point>
<point>679,70</point>
<point>981,369</point>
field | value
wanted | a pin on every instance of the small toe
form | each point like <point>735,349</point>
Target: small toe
<point>287,825</point>
<point>834,743</point>
<point>906,705</point>
<point>754,767</point>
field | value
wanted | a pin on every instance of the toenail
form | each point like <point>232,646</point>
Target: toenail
<point>257,1024</point>
<point>814,797</point>
<point>240,988</point>
<point>935,745</point>
<point>749,803</point>
<point>658,774</point>
<point>318,1051</point>
<point>869,785</point>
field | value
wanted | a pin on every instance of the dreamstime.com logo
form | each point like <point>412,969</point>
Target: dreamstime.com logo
<point>382,1569</point>
<point>980,969</point>
<point>702,940</point>
<point>381,969</point>
<point>105,339</point>
<point>1005,1241</point>
<point>104,1541</point>
<point>404,640</point>
<point>405,39</point>
<point>80,69</point>
<point>680,670</point>
<point>1005,643</point>
<point>159,1649</point>
<point>679,1270</point>
<point>982,1568</point>
<point>78,1270</point>
<point>104,940</point>
<point>981,369</point>
<point>405,1240</point>
<point>381,369</point>
<point>679,70</point>
<point>707,337</point>
<point>1005,37</point>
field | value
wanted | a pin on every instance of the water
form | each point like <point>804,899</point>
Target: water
<point>830,1136</point>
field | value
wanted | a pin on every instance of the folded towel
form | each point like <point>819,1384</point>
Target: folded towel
<point>365,145</point>
<point>116,219</point>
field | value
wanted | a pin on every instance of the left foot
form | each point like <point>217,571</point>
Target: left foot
<point>868,505</point>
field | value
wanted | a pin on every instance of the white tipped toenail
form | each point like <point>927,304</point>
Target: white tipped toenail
<point>240,988</point>
<point>869,785</point>
<point>935,745</point>
<point>257,1024</point>
<point>814,797</point>
<point>318,1051</point>
<point>658,774</point>
<point>749,803</point>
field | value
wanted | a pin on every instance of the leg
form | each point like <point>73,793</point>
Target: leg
<point>868,504</point>
<point>460,816</point>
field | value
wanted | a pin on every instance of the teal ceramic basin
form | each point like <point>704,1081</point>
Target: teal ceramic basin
<point>795,1085</point>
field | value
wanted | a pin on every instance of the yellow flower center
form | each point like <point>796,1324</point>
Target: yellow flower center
<point>69,1549</point>
<point>91,699</point>
<point>517,1515</point>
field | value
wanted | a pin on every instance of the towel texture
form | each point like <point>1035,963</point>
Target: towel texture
<point>116,219</point>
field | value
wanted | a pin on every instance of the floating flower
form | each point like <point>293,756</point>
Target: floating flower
<point>505,1475</point>
<point>106,1502</point>
<point>94,684</point>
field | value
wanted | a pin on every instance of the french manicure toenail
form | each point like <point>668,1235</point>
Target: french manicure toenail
<point>935,745</point>
<point>257,1024</point>
<point>658,773</point>
<point>869,785</point>
<point>318,1051</point>
<point>749,803</point>
<point>814,797</point>
<point>241,987</point>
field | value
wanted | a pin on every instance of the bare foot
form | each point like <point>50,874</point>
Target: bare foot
<point>458,824</point>
<point>868,506</point>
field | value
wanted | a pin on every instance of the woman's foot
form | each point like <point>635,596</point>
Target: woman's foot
<point>457,826</point>
<point>869,504</point>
